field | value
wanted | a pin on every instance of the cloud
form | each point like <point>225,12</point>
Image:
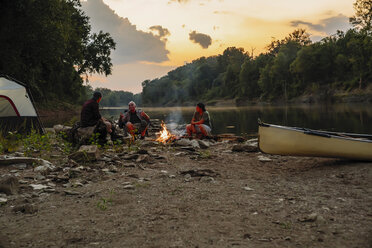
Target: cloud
<point>328,26</point>
<point>202,39</point>
<point>131,44</point>
<point>161,32</point>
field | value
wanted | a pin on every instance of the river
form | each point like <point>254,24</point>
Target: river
<point>354,118</point>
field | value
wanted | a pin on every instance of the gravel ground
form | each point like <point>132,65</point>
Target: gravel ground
<point>162,196</point>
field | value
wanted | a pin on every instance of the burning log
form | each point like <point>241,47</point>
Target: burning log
<point>164,135</point>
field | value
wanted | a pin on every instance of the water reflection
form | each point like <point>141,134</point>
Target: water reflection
<point>243,120</point>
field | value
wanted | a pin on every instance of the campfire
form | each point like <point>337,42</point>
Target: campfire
<point>164,136</point>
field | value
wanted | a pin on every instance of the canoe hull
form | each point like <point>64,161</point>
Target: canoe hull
<point>282,140</point>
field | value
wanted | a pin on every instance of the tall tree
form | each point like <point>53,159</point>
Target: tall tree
<point>49,46</point>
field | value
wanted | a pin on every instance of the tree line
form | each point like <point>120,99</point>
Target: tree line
<point>291,67</point>
<point>113,98</point>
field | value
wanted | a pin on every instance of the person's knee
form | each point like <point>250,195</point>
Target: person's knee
<point>189,127</point>
<point>129,126</point>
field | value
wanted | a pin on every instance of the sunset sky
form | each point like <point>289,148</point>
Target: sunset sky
<point>156,36</point>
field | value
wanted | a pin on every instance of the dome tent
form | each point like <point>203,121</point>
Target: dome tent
<point>17,111</point>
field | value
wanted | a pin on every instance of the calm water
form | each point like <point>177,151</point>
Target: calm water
<point>243,120</point>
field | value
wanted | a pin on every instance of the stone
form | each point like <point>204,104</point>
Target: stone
<point>195,144</point>
<point>40,177</point>
<point>85,132</point>
<point>3,200</point>
<point>86,153</point>
<point>262,158</point>
<point>244,148</point>
<point>187,178</point>
<point>38,186</point>
<point>46,163</point>
<point>129,186</point>
<point>61,128</point>
<point>45,166</point>
<point>26,208</point>
<point>105,159</point>
<point>180,154</point>
<point>183,142</point>
<point>310,218</point>
<point>113,169</point>
<point>145,159</point>
<point>204,144</point>
<point>9,185</point>
<point>207,179</point>
<point>69,192</point>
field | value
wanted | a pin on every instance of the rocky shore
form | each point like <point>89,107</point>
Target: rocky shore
<point>189,193</point>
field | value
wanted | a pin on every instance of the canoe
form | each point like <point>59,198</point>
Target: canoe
<point>294,141</point>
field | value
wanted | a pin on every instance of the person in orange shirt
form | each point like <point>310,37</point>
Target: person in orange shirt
<point>134,120</point>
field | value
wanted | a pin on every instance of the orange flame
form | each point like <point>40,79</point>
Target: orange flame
<point>164,135</point>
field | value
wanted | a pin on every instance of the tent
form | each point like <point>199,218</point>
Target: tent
<point>17,111</point>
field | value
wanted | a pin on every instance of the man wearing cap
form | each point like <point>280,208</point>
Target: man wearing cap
<point>134,120</point>
<point>90,115</point>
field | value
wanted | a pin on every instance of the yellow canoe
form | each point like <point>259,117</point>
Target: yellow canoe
<point>293,141</point>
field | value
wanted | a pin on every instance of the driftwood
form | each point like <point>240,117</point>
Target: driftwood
<point>7,160</point>
<point>44,165</point>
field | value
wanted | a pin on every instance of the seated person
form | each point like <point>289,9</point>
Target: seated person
<point>90,115</point>
<point>134,120</point>
<point>200,122</point>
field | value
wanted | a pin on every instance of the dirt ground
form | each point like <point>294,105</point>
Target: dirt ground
<point>180,198</point>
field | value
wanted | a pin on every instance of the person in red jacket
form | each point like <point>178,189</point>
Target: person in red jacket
<point>134,120</point>
<point>200,122</point>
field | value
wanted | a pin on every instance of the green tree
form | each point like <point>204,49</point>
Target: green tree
<point>363,15</point>
<point>48,45</point>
